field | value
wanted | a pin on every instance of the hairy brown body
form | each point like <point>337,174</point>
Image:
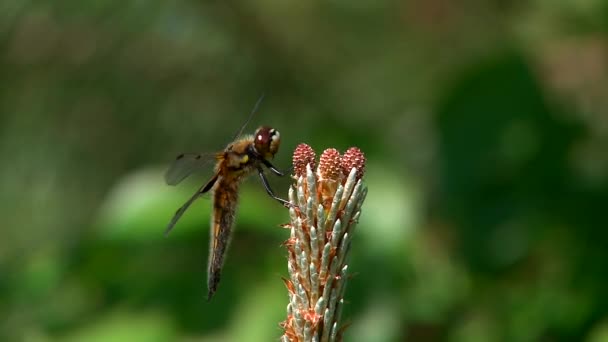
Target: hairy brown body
<point>240,159</point>
<point>233,166</point>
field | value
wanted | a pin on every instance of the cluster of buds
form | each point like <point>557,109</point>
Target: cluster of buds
<point>326,204</point>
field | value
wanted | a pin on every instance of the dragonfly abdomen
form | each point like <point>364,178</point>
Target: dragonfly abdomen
<point>225,197</point>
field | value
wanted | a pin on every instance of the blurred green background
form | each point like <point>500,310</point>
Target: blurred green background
<point>485,125</point>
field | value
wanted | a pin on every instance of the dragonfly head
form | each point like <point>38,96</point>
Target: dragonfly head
<point>266,141</point>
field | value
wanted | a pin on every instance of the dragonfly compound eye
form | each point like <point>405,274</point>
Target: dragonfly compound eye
<point>267,141</point>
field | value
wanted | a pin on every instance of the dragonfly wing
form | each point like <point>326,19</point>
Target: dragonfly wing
<point>183,208</point>
<point>185,164</point>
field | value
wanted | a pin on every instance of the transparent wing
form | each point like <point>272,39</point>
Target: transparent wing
<point>183,208</point>
<point>255,109</point>
<point>187,163</point>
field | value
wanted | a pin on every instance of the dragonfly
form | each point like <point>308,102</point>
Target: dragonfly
<point>242,157</point>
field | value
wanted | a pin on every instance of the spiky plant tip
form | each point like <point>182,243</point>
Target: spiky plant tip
<point>330,165</point>
<point>353,158</point>
<point>303,155</point>
<point>326,206</point>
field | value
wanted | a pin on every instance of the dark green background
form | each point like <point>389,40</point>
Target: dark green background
<point>485,126</point>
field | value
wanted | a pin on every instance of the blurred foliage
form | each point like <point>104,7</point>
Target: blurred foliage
<point>485,125</point>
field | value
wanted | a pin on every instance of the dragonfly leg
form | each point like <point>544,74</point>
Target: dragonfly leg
<point>274,169</point>
<point>269,189</point>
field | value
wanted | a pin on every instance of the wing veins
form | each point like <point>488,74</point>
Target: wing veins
<point>253,111</point>
<point>186,164</point>
<point>178,214</point>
